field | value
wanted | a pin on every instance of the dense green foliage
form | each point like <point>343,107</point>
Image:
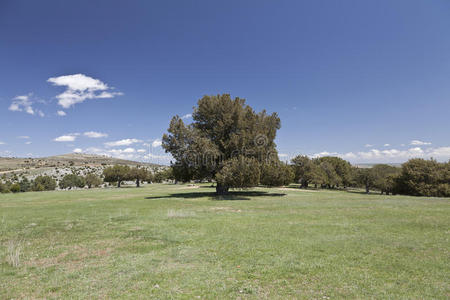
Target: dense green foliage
<point>116,174</point>
<point>71,180</point>
<point>93,180</point>
<point>139,174</point>
<point>276,174</point>
<point>44,183</point>
<point>242,172</point>
<point>324,171</point>
<point>224,133</point>
<point>420,177</point>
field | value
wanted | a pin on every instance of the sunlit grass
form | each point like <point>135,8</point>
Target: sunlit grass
<point>171,241</point>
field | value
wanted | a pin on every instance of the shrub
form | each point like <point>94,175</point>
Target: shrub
<point>14,188</point>
<point>71,180</point>
<point>93,180</point>
<point>44,183</point>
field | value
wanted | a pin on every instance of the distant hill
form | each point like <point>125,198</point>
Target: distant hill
<point>65,160</point>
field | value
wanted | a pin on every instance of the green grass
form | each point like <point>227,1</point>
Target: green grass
<point>172,241</point>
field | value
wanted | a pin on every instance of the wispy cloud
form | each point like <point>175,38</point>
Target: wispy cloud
<point>419,143</point>
<point>156,143</point>
<point>25,137</point>
<point>124,142</point>
<point>79,88</point>
<point>61,113</point>
<point>25,104</point>
<point>391,155</point>
<point>95,135</point>
<point>67,138</point>
<point>187,116</point>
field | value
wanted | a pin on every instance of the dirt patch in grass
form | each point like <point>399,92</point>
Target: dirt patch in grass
<point>190,186</point>
<point>71,259</point>
<point>297,190</point>
<point>225,208</point>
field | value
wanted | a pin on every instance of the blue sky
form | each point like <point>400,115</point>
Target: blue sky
<point>366,80</point>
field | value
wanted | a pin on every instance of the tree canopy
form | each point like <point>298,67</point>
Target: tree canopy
<point>225,134</point>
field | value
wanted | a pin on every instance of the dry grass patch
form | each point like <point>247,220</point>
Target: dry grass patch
<point>14,250</point>
<point>180,213</point>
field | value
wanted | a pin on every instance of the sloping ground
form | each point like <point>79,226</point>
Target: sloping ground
<point>66,160</point>
<point>165,242</point>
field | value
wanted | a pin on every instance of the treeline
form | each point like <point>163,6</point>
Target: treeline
<point>114,175</point>
<point>417,177</point>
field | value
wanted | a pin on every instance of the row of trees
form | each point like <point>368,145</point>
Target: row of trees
<point>113,175</point>
<point>418,177</point>
<point>40,183</point>
<point>119,173</point>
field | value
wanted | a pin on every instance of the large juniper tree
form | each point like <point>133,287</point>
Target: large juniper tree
<point>223,142</point>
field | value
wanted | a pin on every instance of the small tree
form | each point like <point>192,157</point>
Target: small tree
<point>366,177</point>
<point>44,183</point>
<point>384,177</point>
<point>331,177</point>
<point>71,180</point>
<point>305,170</point>
<point>14,188</point>
<point>117,173</point>
<point>139,174</point>
<point>93,180</point>
<point>3,188</point>
<point>25,185</point>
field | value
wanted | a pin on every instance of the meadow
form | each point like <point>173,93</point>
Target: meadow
<point>180,241</point>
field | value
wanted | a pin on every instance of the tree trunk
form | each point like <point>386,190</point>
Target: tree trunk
<point>367,188</point>
<point>221,189</point>
<point>118,183</point>
<point>137,182</point>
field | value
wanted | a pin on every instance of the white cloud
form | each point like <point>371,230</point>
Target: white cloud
<point>2,143</point>
<point>386,145</point>
<point>27,143</point>
<point>79,88</point>
<point>391,155</point>
<point>440,153</point>
<point>419,143</point>
<point>125,142</point>
<point>130,154</point>
<point>67,138</point>
<point>25,137</point>
<point>24,103</point>
<point>368,145</point>
<point>129,150</point>
<point>156,143</point>
<point>77,150</point>
<point>61,113</point>
<point>187,116</point>
<point>95,135</point>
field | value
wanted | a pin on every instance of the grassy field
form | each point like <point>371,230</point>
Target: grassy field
<point>175,241</point>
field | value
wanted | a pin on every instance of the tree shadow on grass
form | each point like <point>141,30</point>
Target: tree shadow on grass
<point>234,195</point>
